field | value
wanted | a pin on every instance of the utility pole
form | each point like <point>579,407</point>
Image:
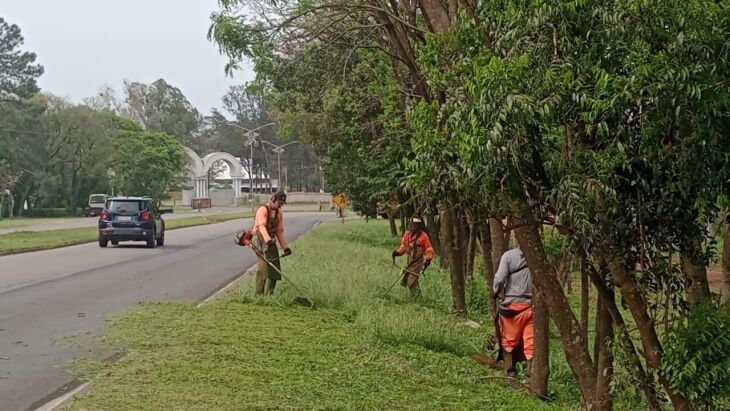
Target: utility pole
<point>278,150</point>
<point>250,141</point>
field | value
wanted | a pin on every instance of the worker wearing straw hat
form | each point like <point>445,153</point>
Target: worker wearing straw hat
<point>416,243</point>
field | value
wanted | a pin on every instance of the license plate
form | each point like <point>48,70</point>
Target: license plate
<point>124,218</point>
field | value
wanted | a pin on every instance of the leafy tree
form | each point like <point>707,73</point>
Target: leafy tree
<point>80,139</point>
<point>164,108</point>
<point>23,138</point>
<point>147,163</point>
<point>18,73</point>
<point>7,181</point>
<point>605,120</point>
<point>246,105</point>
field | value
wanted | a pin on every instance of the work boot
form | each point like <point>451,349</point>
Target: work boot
<point>509,365</point>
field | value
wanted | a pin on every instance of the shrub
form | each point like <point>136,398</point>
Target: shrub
<point>696,361</point>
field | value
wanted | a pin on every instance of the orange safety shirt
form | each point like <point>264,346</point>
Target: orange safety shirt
<point>422,240</point>
<point>260,223</point>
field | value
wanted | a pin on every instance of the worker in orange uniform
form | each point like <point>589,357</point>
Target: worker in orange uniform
<point>268,228</point>
<point>513,289</point>
<point>416,243</point>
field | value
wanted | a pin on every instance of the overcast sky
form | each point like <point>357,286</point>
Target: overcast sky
<point>85,44</point>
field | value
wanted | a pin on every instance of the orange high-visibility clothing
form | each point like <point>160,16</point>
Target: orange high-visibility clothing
<point>518,330</point>
<point>261,222</point>
<point>411,242</point>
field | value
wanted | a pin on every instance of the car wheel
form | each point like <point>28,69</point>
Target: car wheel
<point>103,242</point>
<point>161,239</point>
<point>115,242</point>
<point>151,241</point>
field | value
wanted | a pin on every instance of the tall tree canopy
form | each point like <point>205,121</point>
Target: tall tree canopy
<point>602,122</point>
<point>18,73</point>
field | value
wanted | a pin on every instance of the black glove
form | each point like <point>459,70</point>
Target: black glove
<point>287,252</point>
<point>426,264</point>
<point>271,243</point>
<point>395,254</point>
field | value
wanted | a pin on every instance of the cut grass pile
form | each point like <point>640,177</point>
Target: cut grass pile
<point>31,241</point>
<point>357,350</point>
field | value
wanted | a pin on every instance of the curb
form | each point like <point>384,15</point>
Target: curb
<point>63,400</point>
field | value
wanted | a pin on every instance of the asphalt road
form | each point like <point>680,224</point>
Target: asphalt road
<point>54,303</point>
<point>46,224</point>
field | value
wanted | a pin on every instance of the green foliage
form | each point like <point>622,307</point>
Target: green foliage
<point>79,144</point>
<point>607,120</point>
<point>163,107</point>
<point>18,73</point>
<point>554,243</point>
<point>342,101</point>
<point>696,360</point>
<point>477,295</point>
<point>146,163</point>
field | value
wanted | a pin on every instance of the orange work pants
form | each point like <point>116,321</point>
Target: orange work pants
<point>518,330</point>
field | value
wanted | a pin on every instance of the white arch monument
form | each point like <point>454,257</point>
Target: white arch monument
<point>199,172</point>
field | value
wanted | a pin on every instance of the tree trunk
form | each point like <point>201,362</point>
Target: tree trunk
<point>584,298</point>
<point>11,206</point>
<point>508,233</point>
<point>652,348</point>
<point>456,261</point>
<point>695,274</point>
<point>25,193</point>
<point>434,231</point>
<point>608,299</point>
<point>546,281</point>
<point>393,227</point>
<point>486,244</point>
<point>540,372</point>
<point>603,356</point>
<point>567,271</point>
<point>471,250</point>
<point>638,306</point>
<point>725,297</point>
<point>403,225</point>
<point>445,236</point>
<point>436,14</point>
<point>499,247</point>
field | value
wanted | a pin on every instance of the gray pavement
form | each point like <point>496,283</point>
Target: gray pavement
<point>54,303</point>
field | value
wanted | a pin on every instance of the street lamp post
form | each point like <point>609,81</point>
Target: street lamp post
<point>278,150</point>
<point>250,141</point>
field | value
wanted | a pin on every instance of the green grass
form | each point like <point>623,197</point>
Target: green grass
<point>25,221</point>
<point>30,241</point>
<point>357,350</point>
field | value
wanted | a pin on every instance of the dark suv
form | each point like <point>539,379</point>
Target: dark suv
<point>131,219</point>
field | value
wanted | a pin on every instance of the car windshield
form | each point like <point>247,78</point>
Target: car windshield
<point>97,199</point>
<point>125,206</point>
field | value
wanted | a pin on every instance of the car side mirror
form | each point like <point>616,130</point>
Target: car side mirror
<point>167,211</point>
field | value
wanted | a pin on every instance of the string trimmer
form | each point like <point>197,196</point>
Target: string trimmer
<point>297,300</point>
<point>400,277</point>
